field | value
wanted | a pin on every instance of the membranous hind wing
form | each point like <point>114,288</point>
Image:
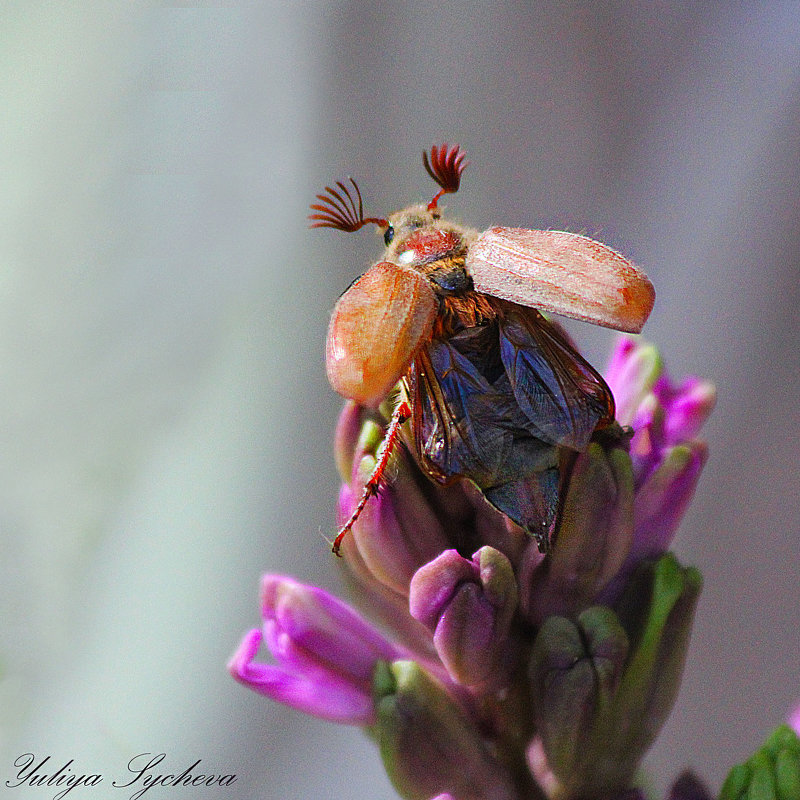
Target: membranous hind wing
<point>563,397</point>
<point>468,423</point>
<point>461,409</point>
<point>496,403</point>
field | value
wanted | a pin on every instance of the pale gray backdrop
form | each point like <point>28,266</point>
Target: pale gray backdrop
<point>164,410</point>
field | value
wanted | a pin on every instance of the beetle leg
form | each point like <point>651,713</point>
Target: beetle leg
<point>400,415</point>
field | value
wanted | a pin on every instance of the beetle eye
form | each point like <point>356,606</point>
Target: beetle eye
<point>388,235</point>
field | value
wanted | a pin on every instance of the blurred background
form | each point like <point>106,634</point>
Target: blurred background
<point>165,416</point>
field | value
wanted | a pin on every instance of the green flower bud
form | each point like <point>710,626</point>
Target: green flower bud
<point>604,686</point>
<point>593,539</point>
<point>575,669</point>
<point>428,742</point>
<point>771,773</point>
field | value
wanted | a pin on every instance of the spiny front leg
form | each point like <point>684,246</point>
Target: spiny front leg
<point>400,415</point>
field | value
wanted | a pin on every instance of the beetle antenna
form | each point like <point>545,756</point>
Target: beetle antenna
<point>337,209</point>
<point>445,167</point>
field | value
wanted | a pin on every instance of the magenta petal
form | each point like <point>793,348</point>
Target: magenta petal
<point>241,663</point>
<point>326,653</point>
<point>663,499</point>
<point>295,659</point>
<point>398,530</point>
<point>348,428</point>
<point>334,700</point>
<point>647,444</point>
<point>661,413</point>
<point>324,695</point>
<point>466,637</point>
<point>658,509</point>
<point>318,627</point>
<point>616,370</point>
<point>347,501</point>
<point>633,369</point>
<point>687,409</point>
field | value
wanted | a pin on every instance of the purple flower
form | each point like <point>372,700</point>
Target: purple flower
<point>384,534</point>
<point>325,652</point>
<point>625,499</point>
<point>511,673</point>
<point>409,523</point>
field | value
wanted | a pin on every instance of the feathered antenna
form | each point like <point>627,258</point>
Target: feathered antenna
<point>338,210</point>
<point>445,167</point>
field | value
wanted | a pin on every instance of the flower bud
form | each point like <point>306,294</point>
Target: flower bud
<point>345,439</point>
<point>326,653</point>
<point>666,460</point>
<point>429,744</point>
<point>632,371</point>
<point>687,406</point>
<point>689,787</point>
<point>771,773</point>
<point>398,530</point>
<point>575,669</point>
<point>664,497</point>
<point>594,537</point>
<point>667,417</point>
<point>468,606</point>
<point>659,507</point>
<point>657,611</point>
<point>598,706</point>
<point>661,413</point>
<point>391,538</point>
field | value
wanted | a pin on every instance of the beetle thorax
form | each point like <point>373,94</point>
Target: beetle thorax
<point>422,236</point>
<point>438,248</point>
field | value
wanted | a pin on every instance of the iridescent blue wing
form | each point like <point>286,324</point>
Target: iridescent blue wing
<point>531,502</point>
<point>496,402</point>
<point>467,423</point>
<point>562,396</point>
<point>458,411</point>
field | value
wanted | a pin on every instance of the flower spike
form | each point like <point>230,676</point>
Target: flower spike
<point>338,210</point>
<point>445,167</point>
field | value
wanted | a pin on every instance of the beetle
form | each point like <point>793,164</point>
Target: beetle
<point>494,391</point>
